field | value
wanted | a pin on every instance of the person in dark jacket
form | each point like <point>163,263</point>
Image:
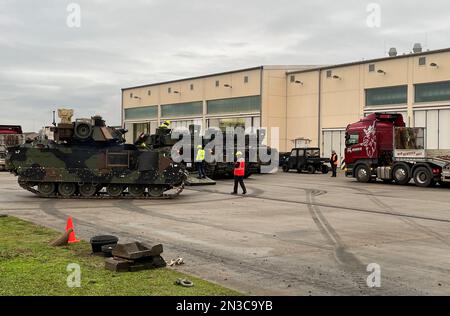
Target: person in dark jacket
<point>334,163</point>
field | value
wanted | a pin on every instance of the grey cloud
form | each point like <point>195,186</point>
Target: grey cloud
<point>44,64</point>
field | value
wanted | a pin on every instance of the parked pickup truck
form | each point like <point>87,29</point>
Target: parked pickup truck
<point>306,160</point>
<point>10,136</point>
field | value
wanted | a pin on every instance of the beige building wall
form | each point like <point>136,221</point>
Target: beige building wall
<point>342,96</point>
<point>292,100</point>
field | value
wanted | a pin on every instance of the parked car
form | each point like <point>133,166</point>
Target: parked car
<point>306,160</point>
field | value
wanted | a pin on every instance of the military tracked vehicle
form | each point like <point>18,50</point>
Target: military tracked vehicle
<point>88,159</point>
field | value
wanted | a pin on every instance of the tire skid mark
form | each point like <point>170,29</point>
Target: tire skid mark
<point>236,265</point>
<point>408,221</point>
<point>353,209</point>
<point>347,261</point>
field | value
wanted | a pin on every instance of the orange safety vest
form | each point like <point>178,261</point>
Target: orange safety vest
<point>240,170</point>
<point>334,159</point>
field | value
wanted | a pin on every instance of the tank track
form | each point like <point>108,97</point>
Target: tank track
<point>103,195</point>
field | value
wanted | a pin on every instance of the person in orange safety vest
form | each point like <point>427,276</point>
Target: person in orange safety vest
<point>239,173</point>
<point>334,163</point>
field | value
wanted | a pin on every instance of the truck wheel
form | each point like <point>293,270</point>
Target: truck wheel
<point>423,177</point>
<point>325,169</point>
<point>400,173</point>
<point>285,168</point>
<point>311,169</point>
<point>363,174</point>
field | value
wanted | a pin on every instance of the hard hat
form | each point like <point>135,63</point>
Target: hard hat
<point>167,122</point>
<point>238,153</point>
<point>199,146</point>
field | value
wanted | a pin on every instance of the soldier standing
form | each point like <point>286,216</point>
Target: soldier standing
<point>239,173</point>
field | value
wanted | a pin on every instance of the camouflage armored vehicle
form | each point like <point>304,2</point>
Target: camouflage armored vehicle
<point>87,159</point>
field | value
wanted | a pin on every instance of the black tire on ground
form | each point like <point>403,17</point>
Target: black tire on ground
<point>423,177</point>
<point>285,168</point>
<point>400,174</point>
<point>46,188</point>
<point>311,169</point>
<point>87,189</point>
<point>444,184</point>
<point>136,190</point>
<point>67,189</point>
<point>155,191</point>
<point>114,190</point>
<point>325,169</point>
<point>363,174</point>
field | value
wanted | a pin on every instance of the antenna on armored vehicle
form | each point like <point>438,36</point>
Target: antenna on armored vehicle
<point>54,120</point>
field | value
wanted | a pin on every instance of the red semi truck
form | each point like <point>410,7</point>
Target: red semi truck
<point>10,136</point>
<point>379,146</point>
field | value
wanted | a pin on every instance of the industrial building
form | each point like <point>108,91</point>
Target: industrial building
<point>310,105</point>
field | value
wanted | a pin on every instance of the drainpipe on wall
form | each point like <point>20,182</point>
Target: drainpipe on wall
<point>286,115</point>
<point>319,110</point>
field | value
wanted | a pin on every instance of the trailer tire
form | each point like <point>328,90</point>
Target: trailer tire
<point>423,177</point>
<point>325,169</point>
<point>363,174</point>
<point>400,174</point>
<point>285,168</point>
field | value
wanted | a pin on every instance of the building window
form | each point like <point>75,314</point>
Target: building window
<point>432,92</point>
<point>329,73</point>
<point>146,112</point>
<point>192,86</point>
<point>149,92</point>
<point>246,79</point>
<point>235,105</point>
<point>371,67</point>
<point>422,61</point>
<point>387,95</point>
<point>292,79</point>
<point>182,109</point>
<point>131,95</point>
<point>169,90</point>
<point>217,83</point>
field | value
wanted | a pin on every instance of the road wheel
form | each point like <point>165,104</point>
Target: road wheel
<point>423,177</point>
<point>400,173</point>
<point>155,191</point>
<point>67,189</point>
<point>285,168</point>
<point>114,190</point>
<point>136,190</point>
<point>311,169</point>
<point>325,169</point>
<point>46,188</point>
<point>87,189</point>
<point>363,174</point>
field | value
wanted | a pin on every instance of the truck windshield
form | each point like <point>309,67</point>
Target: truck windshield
<point>351,139</point>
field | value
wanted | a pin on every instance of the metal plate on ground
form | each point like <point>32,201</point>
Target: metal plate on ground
<point>192,180</point>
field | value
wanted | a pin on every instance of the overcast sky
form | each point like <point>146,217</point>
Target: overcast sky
<point>45,64</point>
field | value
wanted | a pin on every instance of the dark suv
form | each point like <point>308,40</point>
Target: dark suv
<point>306,159</point>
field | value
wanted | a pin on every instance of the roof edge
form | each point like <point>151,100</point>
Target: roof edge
<point>437,51</point>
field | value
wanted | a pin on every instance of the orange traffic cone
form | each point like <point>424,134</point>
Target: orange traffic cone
<point>69,225</point>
